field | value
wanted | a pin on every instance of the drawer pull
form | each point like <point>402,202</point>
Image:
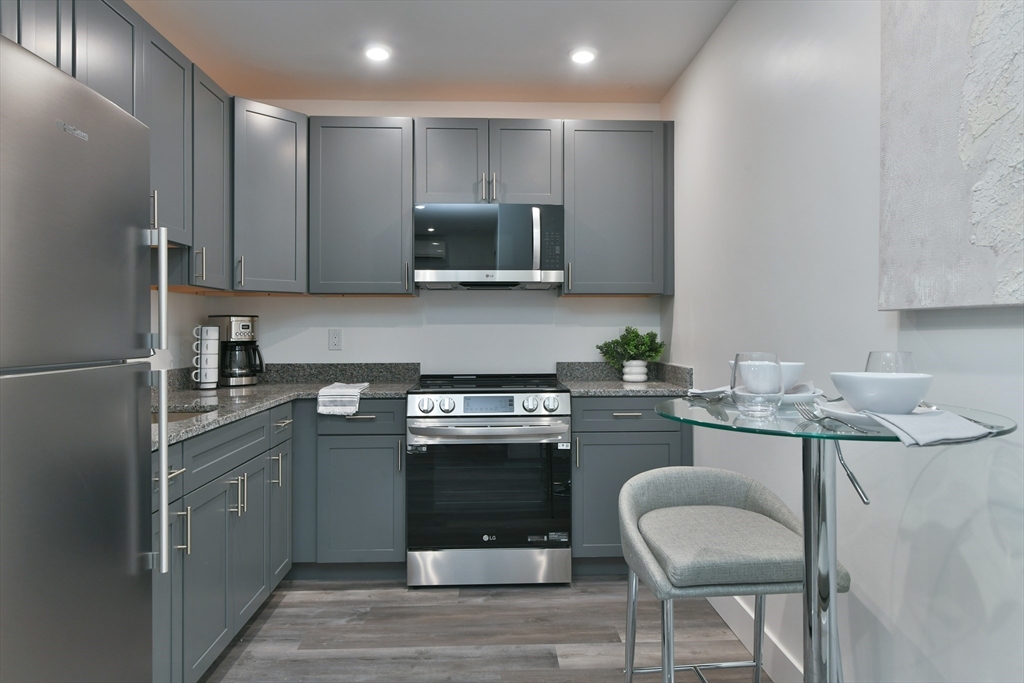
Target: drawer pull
<point>627,414</point>
<point>281,424</point>
<point>360,417</point>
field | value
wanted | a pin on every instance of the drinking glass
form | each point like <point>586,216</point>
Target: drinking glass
<point>890,361</point>
<point>757,385</point>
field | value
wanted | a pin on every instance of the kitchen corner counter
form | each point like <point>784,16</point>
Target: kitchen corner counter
<point>590,388</point>
<point>225,405</point>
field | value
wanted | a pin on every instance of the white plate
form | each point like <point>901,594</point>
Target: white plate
<point>788,400</point>
<point>842,410</point>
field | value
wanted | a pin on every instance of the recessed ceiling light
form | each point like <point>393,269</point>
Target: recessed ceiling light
<point>378,53</point>
<point>583,55</point>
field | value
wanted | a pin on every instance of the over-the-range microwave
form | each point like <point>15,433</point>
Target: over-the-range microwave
<point>489,246</point>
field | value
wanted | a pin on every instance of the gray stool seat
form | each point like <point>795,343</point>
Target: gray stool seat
<point>694,532</point>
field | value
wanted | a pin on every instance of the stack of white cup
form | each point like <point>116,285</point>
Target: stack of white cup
<point>207,348</point>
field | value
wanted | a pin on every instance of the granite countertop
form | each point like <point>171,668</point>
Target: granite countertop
<point>225,405</point>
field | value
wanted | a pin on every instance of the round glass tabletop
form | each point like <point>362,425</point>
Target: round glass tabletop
<point>721,415</point>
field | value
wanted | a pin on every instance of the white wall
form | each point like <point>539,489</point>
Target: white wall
<point>777,200</point>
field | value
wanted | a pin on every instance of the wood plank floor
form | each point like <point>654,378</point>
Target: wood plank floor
<point>387,633</point>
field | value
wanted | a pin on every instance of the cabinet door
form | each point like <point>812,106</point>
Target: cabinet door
<point>526,161</point>
<point>451,161</point>
<point>360,205</point>
<point>167,110</point>
<point>206,606</point>
<point>606,461</point>
<point>280,501</point>
<point>250,577</point>
<point>614,207</point>
<point>270,198</point>
<point>211,183</point>
<point>360,499</point>
<point>108,51</point>
<point>167,599</point>
<point>43,27</point>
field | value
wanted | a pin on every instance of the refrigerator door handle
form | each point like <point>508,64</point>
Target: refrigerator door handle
<point>165,539</point>
<point>158,238</point>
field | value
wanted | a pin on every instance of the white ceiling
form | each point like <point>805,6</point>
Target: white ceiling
<point>443,50</point>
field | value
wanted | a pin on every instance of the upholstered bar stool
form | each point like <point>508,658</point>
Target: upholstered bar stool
<point>697,532</point>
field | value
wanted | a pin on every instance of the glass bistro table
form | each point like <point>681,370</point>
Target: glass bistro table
<point>822,660</point>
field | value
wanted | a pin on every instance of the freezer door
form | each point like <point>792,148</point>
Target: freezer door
<point>74,205</point>
<point>76,593</point>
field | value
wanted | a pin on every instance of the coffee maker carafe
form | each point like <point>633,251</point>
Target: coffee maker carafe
<point>240,357</point>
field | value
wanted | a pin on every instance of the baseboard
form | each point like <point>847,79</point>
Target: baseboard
<point>780,665</point>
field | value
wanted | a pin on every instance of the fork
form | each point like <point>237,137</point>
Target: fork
<point>808,413</point>
<point>986,425</point>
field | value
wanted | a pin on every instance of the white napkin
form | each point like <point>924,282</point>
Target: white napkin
<point>339,398</point>
<point>708,393</point>
<point>931,427</point>
<point>802,388</point>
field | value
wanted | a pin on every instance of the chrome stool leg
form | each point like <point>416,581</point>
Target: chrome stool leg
<point>631,590</point>
<point>668,673</point>
<point>758,636</point>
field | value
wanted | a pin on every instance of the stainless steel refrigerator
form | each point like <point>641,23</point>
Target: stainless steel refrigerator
<point>75,560</point>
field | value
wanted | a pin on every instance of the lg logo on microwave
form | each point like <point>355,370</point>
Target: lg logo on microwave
<point>490,538</point>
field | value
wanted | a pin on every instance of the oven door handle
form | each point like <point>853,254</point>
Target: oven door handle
<point>526,430</point>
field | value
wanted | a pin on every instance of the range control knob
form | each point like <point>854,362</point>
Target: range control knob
<point>426,405</point>
<point>530,404</point>
<point>446,404</point>
<point>551,404</point>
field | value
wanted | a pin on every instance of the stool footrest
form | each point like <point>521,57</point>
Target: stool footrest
<point>694,667</point>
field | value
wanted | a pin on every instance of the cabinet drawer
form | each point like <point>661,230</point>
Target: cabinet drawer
<point>374,417</point>
<point>174,485</point>
<point>280,424</point>
<point>210,455</point>
<point>620,415</point>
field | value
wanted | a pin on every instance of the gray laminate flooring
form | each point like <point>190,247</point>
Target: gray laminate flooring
<point>387,633</point>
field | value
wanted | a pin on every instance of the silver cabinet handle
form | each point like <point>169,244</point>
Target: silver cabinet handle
<point>281,424</point>
<point>627,414</point>
<point>241,271</point>
<point>405,276</point>
<point>360,417</point>
<point>577,452</point>
<point>399,455</point>
<point>202,255</point>
<point>237,481</point>
<point>188,530</point>
<point>494,187</point>
<point>570,275</point>
<point>483,187</point>
<point>162,473</point>
<point>280,469</point>
<point>245,486</point>
<point>172,474</point>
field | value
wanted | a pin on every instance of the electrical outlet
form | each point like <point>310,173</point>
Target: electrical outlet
<point>334,339</point>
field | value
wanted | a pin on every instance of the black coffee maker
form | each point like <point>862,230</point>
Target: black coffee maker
<point>240,357</point>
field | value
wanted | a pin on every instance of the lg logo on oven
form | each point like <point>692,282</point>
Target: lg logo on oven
<point>490,538</point>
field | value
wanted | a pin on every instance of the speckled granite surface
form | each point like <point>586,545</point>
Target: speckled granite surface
<point>329,373</point>
<point>601,379</point>
<point>227,405</point>
<point>586,388</point>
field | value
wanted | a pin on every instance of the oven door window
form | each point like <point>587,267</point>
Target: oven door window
<point>488,495</point>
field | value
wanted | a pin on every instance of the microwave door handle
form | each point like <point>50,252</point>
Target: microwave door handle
<point>536,237</point>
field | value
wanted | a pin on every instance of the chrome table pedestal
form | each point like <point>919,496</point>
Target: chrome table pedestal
<point>822,661</point>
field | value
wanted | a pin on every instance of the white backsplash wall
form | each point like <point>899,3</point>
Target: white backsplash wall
<point>184,312</point>
<point>446,332</point>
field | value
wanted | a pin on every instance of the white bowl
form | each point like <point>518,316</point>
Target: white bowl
<point>790,373</point>
<point>895,393</point>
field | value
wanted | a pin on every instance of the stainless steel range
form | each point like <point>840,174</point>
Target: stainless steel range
<point>488,490</point>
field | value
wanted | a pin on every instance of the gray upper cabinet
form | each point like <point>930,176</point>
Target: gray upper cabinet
<point>270,227</point>
<point>526,161</point>
<point>469,161</point>
<point>360,205</point>
<point>167,110</point>
<point>615,221</point>
<point>43,27</point>
<point>108,51</point>
<point>211,183</point>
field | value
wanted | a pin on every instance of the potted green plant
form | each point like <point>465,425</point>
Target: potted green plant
<point>631,353</point>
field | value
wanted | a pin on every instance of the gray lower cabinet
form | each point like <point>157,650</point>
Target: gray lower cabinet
<point>108,44</point>
<point>249,575</point>
<point>360,205</point>
<point>270,179</point>
<point>360,499</point>
<point>615,201</point>
<point>167,599</point>
<point>167,109</point>
<point>471,161</point>
<point>279,526</point>
<point>211,183</point>
<point>43,27</point>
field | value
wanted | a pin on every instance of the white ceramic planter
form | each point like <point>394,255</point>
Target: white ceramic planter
<point>634,371</point>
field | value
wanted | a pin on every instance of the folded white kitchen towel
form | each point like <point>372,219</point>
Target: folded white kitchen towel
<point>802,388</point>
<point>708,393</point>
<point>931,427</point>
<point>339,398</point>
